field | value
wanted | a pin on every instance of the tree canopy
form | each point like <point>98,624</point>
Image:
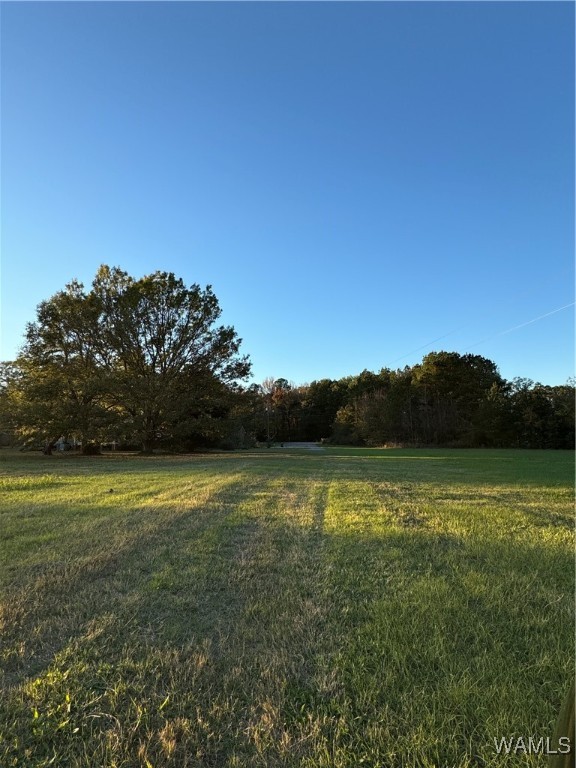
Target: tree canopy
<point>139,359</point>
<point>143,361</point>
<point>448,399</point>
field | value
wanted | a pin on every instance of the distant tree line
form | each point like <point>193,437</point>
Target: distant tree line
<point>141,363</point>
<point>447,400</point>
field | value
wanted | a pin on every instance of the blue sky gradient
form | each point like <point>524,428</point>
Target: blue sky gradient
<point>355,180</point>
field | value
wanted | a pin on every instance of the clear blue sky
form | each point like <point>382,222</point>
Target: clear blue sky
<point>355,180</point>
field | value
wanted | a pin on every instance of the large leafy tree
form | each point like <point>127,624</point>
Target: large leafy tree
<point>451,388</point>
<point>138,358</point>
<point>58,389</point>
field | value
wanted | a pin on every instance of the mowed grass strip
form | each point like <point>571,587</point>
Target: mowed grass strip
<point>339,608</point>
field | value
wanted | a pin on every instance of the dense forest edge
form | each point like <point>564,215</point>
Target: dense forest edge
<point>141,364</point>
<point>447,400</point>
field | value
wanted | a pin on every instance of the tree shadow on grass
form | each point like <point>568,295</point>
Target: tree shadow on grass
<point>55,599</point>
<point>227,634</point>
<point>504,469</point>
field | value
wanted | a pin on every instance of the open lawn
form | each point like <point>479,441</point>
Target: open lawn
<point>340,608</point>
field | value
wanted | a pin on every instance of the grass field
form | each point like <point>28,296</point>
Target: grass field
<point>339,608</point>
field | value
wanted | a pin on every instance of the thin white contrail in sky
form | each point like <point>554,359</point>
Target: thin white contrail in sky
<point>494,336</point>
<point>522,325</point>
<point>524,294</point>
<point>461,327</point>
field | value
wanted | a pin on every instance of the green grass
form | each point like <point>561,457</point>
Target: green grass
<point>338,608</point>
